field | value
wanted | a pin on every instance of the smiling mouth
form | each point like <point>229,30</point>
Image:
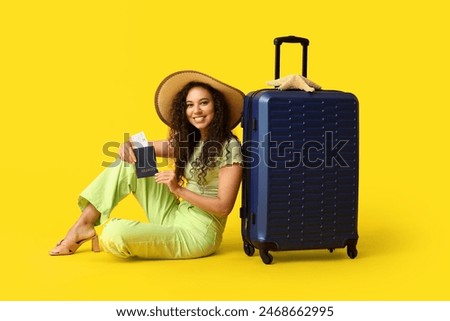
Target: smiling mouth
<point>199,118</point>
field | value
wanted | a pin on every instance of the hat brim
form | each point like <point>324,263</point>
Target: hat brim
<point>172,84</point>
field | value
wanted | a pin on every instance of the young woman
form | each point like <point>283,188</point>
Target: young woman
<point>187,208</point>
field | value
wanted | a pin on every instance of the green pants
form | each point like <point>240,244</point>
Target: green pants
<point>176,230</point>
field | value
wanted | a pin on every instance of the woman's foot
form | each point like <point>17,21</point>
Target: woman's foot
<point>82,231</point>
<point>69,247</point>
<point>77,235</point>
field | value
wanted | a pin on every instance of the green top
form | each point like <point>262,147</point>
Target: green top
<point>231,154</point>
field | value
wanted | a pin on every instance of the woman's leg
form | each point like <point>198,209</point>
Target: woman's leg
<point>126,238</point>
<point>82,230</point>
<point>157,239</point>
<point>185,233</point>
<point>105,192</point>
<point>96,203</point>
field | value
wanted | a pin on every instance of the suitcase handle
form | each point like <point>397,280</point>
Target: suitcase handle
<point>291,39</point>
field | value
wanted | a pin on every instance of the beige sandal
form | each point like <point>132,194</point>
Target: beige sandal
<point>69,248</point>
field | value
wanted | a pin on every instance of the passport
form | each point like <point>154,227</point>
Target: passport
<point>145,161</point>
<point>145,156</point>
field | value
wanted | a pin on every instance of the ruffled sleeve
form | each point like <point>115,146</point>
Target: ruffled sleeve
<point>231,153</point>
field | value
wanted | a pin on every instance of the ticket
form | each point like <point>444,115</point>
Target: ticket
<point>139,140</point>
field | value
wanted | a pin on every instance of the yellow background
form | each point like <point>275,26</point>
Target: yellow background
<point>76,75</point>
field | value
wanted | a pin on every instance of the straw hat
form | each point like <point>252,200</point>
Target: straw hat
<point>173,83</point>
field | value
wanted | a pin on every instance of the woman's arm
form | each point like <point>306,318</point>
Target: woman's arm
<point>162,148</point>
<point>220,205</point>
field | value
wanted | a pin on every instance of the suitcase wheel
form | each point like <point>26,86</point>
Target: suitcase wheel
<point>266,257</point>
<point>249,249</point>
<point>352,252</point>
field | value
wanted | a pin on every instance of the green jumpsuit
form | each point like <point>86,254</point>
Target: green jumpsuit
<point>176,230</point>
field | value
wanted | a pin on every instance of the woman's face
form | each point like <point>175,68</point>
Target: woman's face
<point>200,108</point>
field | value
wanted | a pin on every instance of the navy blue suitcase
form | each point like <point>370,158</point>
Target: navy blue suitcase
<point>300,183</point>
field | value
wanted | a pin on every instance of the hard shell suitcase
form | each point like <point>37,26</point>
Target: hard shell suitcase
<point>300,183</point>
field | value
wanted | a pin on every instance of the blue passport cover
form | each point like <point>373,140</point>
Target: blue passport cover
<point>145,161</point>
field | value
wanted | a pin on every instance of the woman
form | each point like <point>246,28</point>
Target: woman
<point>201,111</point>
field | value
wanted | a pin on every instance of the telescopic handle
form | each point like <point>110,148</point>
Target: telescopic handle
<point>291,39</point>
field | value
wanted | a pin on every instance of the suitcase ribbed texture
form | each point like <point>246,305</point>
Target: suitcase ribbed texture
<point>300,188</point>
<point>312,199</point>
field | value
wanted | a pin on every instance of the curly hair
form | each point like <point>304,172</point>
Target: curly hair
<point>184,137</point>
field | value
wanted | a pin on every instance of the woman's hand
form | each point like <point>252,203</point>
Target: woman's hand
<point>220,205</point>
<point>168,178</point>
<point>126,153</point>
